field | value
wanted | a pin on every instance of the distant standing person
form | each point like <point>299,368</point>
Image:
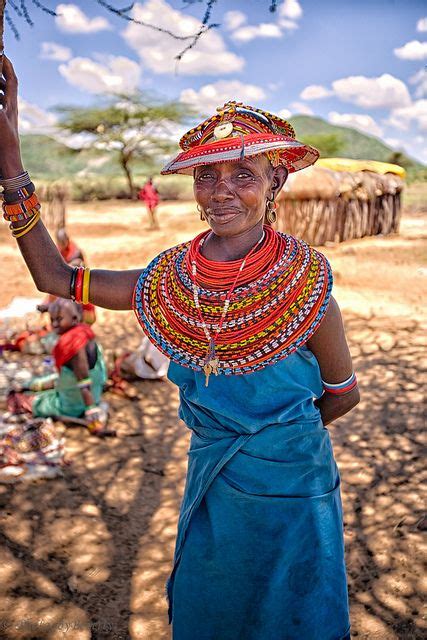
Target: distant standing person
<point>68,249</point>
<point>148,194</point>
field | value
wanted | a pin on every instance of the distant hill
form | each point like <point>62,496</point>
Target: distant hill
<point>355,144</point>
<point>46,158</point>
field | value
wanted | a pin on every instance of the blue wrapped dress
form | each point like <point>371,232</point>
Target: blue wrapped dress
<point>259,552</point>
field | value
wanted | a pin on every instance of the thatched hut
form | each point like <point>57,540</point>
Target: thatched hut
<point>340,199</point>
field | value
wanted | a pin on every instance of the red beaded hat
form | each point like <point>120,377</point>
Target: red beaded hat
<point>238,131</point>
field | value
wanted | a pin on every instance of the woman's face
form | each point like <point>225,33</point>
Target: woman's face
<point>233,195</point>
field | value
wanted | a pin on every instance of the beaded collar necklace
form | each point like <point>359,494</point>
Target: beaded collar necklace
<point>212,363</point>
<point>275,305</point>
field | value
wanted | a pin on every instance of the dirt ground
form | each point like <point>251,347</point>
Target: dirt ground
<point>87,555</point>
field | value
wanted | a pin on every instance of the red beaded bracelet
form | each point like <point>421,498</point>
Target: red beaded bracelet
<point>79,285</point>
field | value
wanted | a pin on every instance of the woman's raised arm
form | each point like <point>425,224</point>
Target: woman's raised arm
<point>110,289</point>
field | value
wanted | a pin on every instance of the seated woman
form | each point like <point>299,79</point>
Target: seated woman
<point>76,389</point>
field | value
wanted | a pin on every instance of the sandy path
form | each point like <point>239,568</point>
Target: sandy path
<point>87,555</point>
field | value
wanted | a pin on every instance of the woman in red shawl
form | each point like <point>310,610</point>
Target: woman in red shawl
<point>148,194</point>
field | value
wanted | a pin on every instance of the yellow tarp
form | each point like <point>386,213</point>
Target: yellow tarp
<point>348,164</point>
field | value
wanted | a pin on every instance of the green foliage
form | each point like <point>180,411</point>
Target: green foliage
<point>415,196</point>
<point>98,188</point>
<point>417,174</point>
<point>398,157</point>
<point>47,158</point>
<point>329,144</point>
<point>174,187</point>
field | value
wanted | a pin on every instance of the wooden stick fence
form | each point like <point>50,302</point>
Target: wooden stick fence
<point>372,207</point>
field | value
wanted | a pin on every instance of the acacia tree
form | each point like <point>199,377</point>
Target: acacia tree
<point>134,126</point>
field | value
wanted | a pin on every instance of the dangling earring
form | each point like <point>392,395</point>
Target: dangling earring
<point>270,211</point>
<point>201,212</point>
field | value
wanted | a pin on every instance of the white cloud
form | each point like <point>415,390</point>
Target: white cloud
<point>420,80</point>
<point>301,108</point>
<point>386,91</point>
<point>263,30</point>
<point>236,23</point>
<point>422,24</point>
<point>284,113</point>
<point>414,50</point>
<point>289,13</point>
<point>116,75</point>
<point>211,96</point>
<point>288,24</point>
<point>395,143</point>
<point>33,119</point>
<point>359,121</point>
<point>409,147</point>
<point>315,92</point>
<point>71,19</point>
<point>158,50</point>
<point>290,9</point>
<point>234,20</point>
<point>405,116</point>
<point>53,51</point>
<point>420,154</point>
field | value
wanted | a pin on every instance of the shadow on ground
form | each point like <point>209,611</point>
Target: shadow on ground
<point>378,448</point>
<point>87,555</point>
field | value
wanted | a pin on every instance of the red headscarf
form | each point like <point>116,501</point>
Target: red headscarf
<point>71,342</point>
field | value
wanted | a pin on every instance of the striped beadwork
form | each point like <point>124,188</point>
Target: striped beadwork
<point>267,319</point>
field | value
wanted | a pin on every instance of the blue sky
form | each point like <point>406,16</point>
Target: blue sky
<point>355,63</point>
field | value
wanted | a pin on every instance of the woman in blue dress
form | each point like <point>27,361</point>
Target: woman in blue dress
<point>258,351</point>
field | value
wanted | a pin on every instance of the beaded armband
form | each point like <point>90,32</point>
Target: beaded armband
<point>11,197</point>
<point>86,383</point>
<point>340,388</point>
<point>21,210</point>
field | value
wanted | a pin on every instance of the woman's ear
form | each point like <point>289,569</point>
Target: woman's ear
<point>280,175</point>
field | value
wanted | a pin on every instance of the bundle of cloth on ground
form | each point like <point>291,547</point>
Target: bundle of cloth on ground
<point>30,449</point>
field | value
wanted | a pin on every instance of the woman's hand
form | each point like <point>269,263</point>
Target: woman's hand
<point>10,153</point>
